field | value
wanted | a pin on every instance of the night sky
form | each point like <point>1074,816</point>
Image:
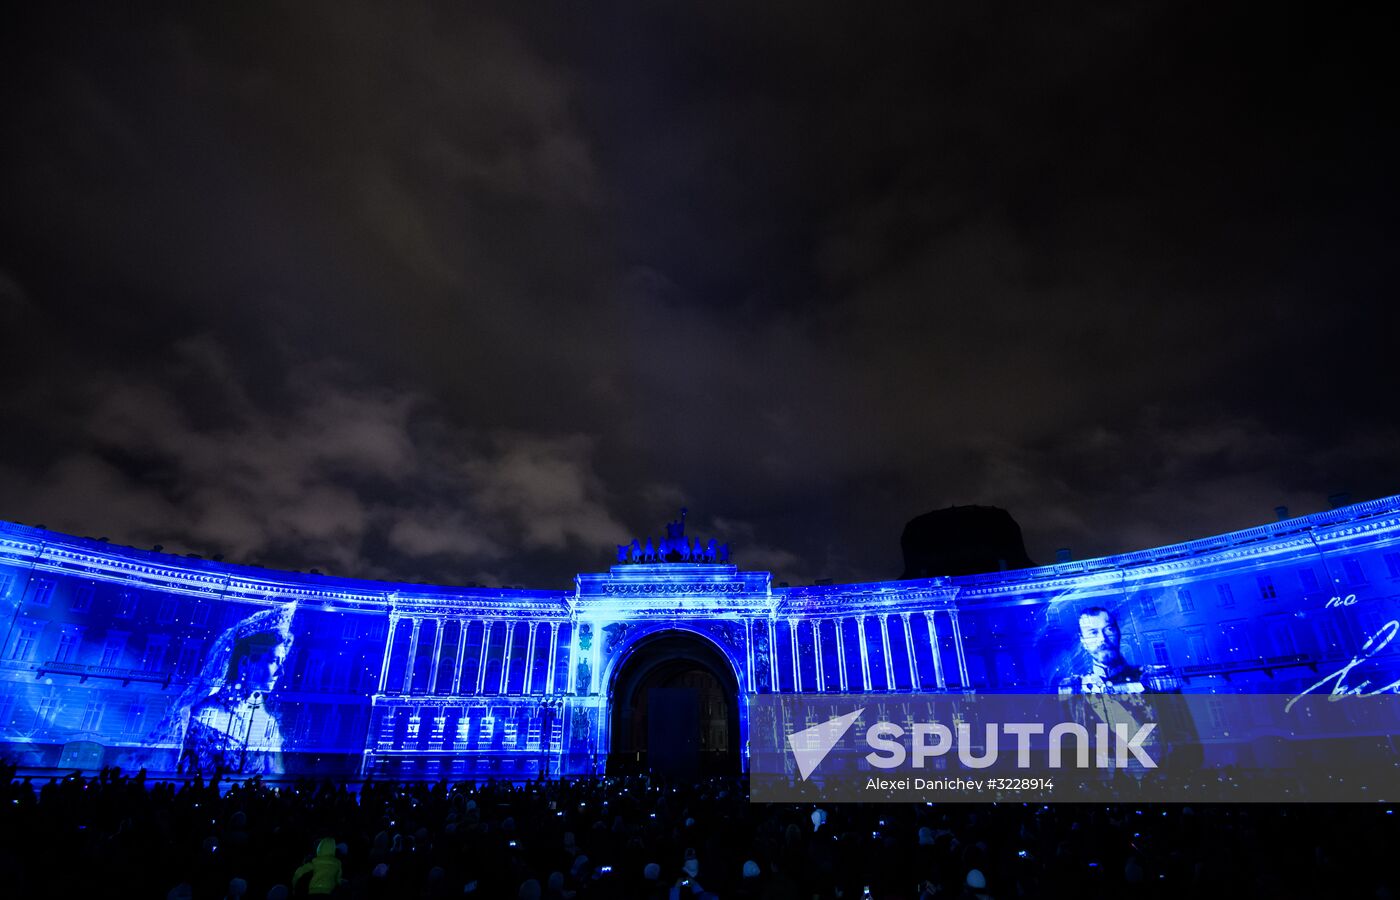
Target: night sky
<point>457,296</point>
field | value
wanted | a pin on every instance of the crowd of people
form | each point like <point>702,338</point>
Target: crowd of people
<point>122,834</point>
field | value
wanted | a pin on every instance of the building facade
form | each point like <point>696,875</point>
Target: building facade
<point>117,656</point>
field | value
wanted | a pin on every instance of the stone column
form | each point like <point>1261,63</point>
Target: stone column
<point>388,650</point>
<point>938,678</point>
<point>958,645</point>
<point>457,660</point>
<point>864,655</point>
<point>748,654</point>
<point>890,684</point>
<point>915,684</point>
<point>817,652</point>
<point>530,659</point>
<point>595,664</point>
<point>841,653</point>
<point>572,684</point>
<point>505,659</point>
<point>412,656</point>
<point>553,657</point>
<point>485,653</point>
<point>796,669</point>
<point>437,657</point>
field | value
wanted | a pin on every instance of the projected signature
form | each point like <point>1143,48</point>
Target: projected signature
<point>1374,645</point>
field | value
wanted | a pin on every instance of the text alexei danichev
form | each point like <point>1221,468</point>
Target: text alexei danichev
<point>924,784</point>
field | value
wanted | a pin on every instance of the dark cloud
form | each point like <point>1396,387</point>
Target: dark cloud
<point>438,293</point>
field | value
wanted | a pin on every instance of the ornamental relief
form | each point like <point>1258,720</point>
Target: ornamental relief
<point>761,652</point>
<point>673,589</point>
<point>615,636</point>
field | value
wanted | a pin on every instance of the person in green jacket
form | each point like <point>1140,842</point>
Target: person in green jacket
<point>324,869</point>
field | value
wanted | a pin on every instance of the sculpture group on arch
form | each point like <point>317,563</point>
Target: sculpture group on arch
<point>674,547</point>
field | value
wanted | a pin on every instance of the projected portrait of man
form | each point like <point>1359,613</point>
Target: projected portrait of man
<point>223,721</point>
<point>1109,672</point>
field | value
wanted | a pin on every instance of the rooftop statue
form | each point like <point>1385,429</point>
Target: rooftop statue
<point>675,547</point>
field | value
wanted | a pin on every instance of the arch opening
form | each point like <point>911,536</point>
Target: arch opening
<point>674,709</point>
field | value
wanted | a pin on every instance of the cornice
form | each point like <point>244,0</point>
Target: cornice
<point>716,588</point>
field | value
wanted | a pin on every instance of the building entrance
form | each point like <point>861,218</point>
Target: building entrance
<point>674,709</point>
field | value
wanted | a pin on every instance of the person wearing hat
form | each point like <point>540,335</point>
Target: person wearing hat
<point>750,888</point>
<point>977,885</point>
<point>688,884</point>
<point>652,888</point>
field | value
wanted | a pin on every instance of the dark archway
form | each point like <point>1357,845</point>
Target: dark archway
<point>674,709</point>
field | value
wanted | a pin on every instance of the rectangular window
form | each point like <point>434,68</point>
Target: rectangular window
<point>1283,639</point>
<point>200,616</point>
<point>1331,639</point>
<point>24,642</point>
<point>168,607</point>
<point>67,647</point>
<point>348,631</point>
<point>48,708</point>
<point>1227,596</point>
<point>1184,601</point>
<point>1266,588</point>
<point>1308,579</point>
<point>1217,713</point>
<point>1238,645</point>
<point>189,658</point>
<point>134,714</point>
<point>5,582</point>
<point>1352,570</point>
<point>43,592</point>
<point>154,655</point>
<point>1148,604</point>
<point>92,717</point>
<point>112,650</point>
<point>82,600</point>
<point>1159,653</point>
<point>311,680</point>
<point>1392,564</point>
<point>126,604</point>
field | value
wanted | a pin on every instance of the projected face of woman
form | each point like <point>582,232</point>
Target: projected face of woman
<point>260,668</point>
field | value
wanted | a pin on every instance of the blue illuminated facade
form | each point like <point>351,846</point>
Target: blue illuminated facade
<point>119,656</point>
